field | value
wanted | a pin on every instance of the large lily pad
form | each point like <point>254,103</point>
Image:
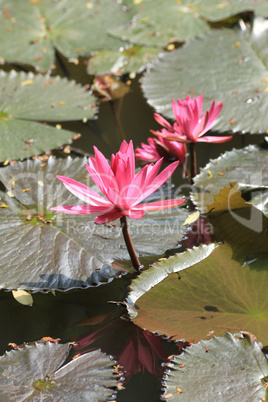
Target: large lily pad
<point>158,23</point>
<point>62,251</point>
<point>226,65</point>
<point>248,167</point>
<point>33,373</point>
<point>31,30</point>
<point>27,99</point>
<point>214,294</point>
<point>220,369</point>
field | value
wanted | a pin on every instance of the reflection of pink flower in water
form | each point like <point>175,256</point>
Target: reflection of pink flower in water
<point>190,125</point>
<point>123,190</point>
<point>133,348</point>
<point>158,148</point>
<point>200,232</point>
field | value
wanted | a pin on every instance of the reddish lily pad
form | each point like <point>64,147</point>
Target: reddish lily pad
<point>213,295</point>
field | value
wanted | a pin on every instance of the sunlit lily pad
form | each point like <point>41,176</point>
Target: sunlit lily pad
<point>248,167</point>
<point>32,372</point>
<point>55,250</point>
<point>133,59</point>
<point>226,65</point>
<point>215,293</point>
<point>27,101</point>
<point>158,23</point>
<point>235,192</point>
<point>32,30</point>
<point>220,369</point>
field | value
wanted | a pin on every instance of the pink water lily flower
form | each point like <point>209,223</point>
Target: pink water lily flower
<point>190,126</point>
<point>123,190</point>
<point>158,148</point>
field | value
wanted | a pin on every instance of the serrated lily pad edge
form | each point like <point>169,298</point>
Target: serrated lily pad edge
<point>262,361</point>
<point>157,274</point>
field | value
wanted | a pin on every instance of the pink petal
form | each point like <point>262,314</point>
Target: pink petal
<point>159,180</point>
<point>107,184</point>
<point>215,139</point>
<point>82,209</point>
<point>124,174</point>
<point>199,106</point>
<point>103,169</point>
<point>178,149</point>
<point>135,189</point>
<point>186,117</point>
<point>160,119</point>
<point>110,216</point>
<point>156,206</point>
<point>126,152</point>
<point>83,192</point>
<point>145,154</point>
<point>131,158</point>
<point>124,147</point>
<point>209,118</point>
<point>151,173</point>
<point>148,152</point>
<point>175,136</point>
<point>135,214</point>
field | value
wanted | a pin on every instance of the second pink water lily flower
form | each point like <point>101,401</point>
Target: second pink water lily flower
<point>190,125</point>
<point>123,190</point>
<point>158,148</point>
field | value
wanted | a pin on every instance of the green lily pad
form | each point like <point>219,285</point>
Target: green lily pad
<point>26,101</point>
<point>132,59</point>
<point>56,250</point>
<point>226,65</point>
<point>248,167</point>
<point>158,23</point>
<point>32,372</point>
<point>220,369</point>
<point>215,293</point>
<point>238,212</point>
<point>32,30</point>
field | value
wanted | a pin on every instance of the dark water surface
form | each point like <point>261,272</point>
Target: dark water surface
<point>86,315</point>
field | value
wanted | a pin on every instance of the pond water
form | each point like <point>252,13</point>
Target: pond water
<point>96,317</point>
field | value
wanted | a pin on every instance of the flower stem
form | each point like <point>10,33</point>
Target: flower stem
<point>117,119</point>
<point>132,253</point>
<point>193,161</point>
